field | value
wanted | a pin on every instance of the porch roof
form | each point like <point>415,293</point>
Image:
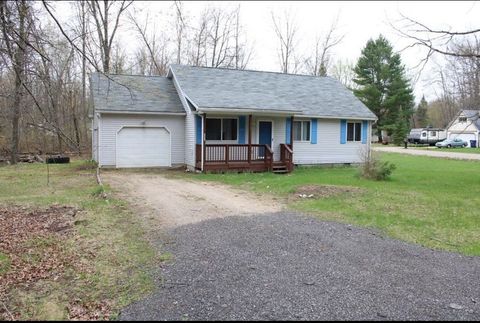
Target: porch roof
<point>222,89</point>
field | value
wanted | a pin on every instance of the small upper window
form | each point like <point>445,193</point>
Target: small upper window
<point>301,130</point>
<point>354,131</point>
<point>462,119</point>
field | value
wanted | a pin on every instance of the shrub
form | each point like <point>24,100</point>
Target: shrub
<point>373,168</point>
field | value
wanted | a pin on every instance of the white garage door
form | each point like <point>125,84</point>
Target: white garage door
<point>143,147</point>
<point>464,136</point>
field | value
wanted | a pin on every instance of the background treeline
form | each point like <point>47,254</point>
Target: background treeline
<point>45,61</point>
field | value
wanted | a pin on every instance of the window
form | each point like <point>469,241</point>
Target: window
<point>424,134</point>
<point>462,119</point>
<point>301,130</point>
<point>354,131</point>
<point>433,133</point>
<point>221,129</point>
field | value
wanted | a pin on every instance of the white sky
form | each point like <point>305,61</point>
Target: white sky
<point>359,21</point>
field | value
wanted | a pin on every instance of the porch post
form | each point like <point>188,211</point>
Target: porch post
<point>204,135</point>
<point>291,133</point>
<point>249,139</point>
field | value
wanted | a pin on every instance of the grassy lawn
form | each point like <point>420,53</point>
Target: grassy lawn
<point>107,239</point>
<point>430,201</point>
<point>453,150</point>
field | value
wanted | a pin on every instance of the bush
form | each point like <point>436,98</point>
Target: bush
<point>373,168</point>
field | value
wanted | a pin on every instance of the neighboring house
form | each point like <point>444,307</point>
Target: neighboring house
<point>218,119</point>
<point>466,126</point>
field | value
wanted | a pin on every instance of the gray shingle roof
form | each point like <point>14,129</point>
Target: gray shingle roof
<point>473,115</point>
<point>309,95</point>
<point>132,93</point>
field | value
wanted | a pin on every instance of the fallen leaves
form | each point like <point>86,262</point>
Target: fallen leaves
<point>35,245</point>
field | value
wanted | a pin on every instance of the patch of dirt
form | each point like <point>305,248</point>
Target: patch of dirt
<point>174,202</point>
<point>323,191</point>
<point>33,241</point>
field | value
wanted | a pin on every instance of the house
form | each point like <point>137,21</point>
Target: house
<point>219,119</point>
<point>466,126</point>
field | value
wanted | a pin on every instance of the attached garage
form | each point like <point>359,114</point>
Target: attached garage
<point>143,147</point>
<point>464,136</point>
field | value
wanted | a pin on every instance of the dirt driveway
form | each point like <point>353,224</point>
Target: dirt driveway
<point>438,154</point>
<point>178,202</point>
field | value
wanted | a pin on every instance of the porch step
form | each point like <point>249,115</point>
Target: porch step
<point>279,168</point>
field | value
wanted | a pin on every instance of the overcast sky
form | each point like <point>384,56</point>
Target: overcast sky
<point>357,20</point>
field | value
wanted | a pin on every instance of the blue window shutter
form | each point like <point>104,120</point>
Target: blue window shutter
<point>343,131</point>
<point>313,137</point>
<point>364,131</point>
<point>198,122</point>
<point>288,129</point>
<point>241,129</point>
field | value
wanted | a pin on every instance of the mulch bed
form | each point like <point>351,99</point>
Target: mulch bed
<point>32,239</point>
<point>323,191</point>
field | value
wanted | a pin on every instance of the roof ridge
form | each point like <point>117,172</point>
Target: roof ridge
<point>250,70</point>
<point>135,75</point>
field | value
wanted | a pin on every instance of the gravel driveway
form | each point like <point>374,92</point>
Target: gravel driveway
<point>420,152</point>
<point>282,265</point>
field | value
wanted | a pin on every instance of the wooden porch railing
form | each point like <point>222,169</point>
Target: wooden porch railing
<point>286,156</point>
<point>235,154</point>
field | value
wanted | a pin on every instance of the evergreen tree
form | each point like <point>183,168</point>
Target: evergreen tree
<point>382,84</point>
<point>421,118</point>
<point>399,128</point>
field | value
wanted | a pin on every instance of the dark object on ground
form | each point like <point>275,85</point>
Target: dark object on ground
<point>59,159</point>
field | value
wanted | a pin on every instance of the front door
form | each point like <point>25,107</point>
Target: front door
<point>264,135</point>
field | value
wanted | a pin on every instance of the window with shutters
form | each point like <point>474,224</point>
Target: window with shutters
<point>354,131</point>
<point>301,130</point>
<point>221,129</point>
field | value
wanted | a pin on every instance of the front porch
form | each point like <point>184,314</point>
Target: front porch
<point>254,157</point>
<point>241,143</point>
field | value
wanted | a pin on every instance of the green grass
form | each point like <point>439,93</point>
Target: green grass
<point>454,150</point>
<point>429,201</point>
<point>4,263</point>
<point>108,239</point>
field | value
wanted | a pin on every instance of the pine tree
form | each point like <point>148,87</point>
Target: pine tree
<point>421,118</point>
<point>382,84</point>
<point>400,128</point>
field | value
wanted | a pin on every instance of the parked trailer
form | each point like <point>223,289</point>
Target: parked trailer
<point>428,136</point>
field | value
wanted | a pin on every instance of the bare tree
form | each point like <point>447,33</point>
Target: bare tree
<point>151,58</point>
<point>343,71</point>
<point>15,27</point>
<point>286,30</point>
<point>104,14</point>
<point>180,26</point>
<point>242,53</point>
<point>436,41</point>
<point>319,64</point>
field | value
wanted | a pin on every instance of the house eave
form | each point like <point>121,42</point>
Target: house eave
<point>140,112</point>
<point>335,117</point>
<point>253,111</point>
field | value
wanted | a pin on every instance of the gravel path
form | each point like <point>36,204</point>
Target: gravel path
<point>419,152</point>
<point>283,266</point>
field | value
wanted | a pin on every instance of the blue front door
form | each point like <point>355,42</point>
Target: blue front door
<point>264,135</point>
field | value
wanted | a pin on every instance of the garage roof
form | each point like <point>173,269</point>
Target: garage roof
<point>134,93</point>
<point>220,88</point>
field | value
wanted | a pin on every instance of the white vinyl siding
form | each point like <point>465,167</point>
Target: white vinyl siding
<point>328,149</point>
<point>110,124</point>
